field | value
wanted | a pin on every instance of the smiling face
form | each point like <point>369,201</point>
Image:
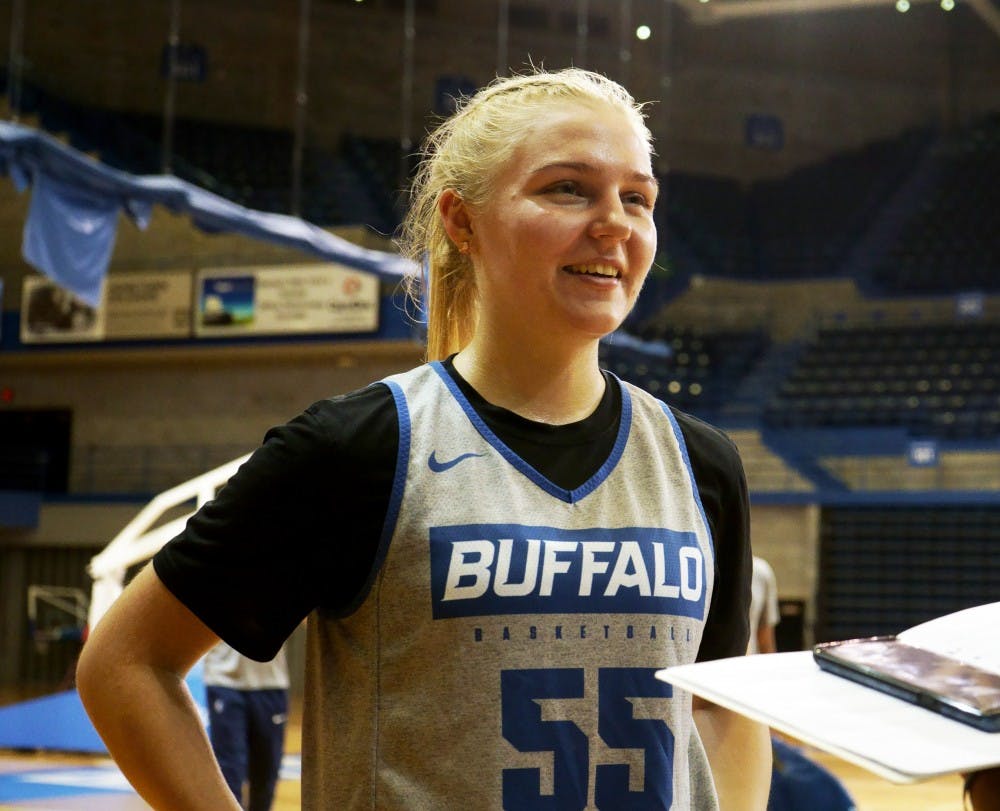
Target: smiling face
<point>563,244</point>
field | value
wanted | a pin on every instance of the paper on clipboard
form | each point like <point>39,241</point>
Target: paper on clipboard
<point>964,635</point>
<point>890,737</point>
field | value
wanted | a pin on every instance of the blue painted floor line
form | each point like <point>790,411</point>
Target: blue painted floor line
<point>56,782</point>
<point>49,783</point>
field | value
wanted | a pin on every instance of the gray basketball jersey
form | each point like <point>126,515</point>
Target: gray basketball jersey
<point>504,655</point>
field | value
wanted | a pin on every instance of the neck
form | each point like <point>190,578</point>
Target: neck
<point>544,386</point>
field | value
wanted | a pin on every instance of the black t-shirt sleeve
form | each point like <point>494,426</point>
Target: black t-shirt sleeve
<point>722,485</point>
<point>296,528</point>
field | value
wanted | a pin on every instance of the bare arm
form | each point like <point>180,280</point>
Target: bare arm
<point>739,752</point>
<point>131,681</point>
<point>766,640</point>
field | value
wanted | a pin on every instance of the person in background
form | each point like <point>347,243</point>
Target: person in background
<point>764,612</point>
<point>498,549</point>
<point>247,715</point>
<point>798,783</point>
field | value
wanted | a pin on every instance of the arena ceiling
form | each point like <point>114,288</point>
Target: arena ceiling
<point>717,11</point>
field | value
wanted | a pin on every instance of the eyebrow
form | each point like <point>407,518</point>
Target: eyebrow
<point>587,168</point>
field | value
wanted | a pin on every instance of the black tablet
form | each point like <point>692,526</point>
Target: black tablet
<point>955,689</point>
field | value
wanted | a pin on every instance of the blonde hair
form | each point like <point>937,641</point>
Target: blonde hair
<point>464,154</point>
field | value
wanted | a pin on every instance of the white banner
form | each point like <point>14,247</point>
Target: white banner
<point>286,300</point>
<point>148,304</point>
<point>134,306</point>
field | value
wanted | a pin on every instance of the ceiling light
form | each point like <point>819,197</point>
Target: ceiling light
<point>947,5</point>
<point>902,6</point>
<point>642,32</point>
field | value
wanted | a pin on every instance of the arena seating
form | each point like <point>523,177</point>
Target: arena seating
<point>824,420</point>
<point>937,381</point>
<point>950,241</point>
<point>799,226</point>
<point>806,224</point>
<point>695,370</point>
<point>934,380</point>
<point>710,215</point>
<point>886,568</point>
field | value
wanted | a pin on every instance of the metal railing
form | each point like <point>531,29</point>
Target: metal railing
<point>152,527</point>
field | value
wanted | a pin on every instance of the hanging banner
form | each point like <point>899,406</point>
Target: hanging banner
<point>286,300</point>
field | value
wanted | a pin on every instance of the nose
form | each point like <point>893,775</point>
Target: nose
<point>610,222</point>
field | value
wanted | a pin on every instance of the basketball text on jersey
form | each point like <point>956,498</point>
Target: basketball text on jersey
<point>502,569</point>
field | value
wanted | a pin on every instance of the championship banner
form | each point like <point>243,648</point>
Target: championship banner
<point>285,300</point>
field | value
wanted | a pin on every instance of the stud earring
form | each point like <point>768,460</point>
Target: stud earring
<point>463,247</point>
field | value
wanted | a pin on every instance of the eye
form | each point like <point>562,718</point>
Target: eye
<point>635,198</point>
<point>566,187</point>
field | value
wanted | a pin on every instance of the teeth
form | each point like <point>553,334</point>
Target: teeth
<point>594,270</point>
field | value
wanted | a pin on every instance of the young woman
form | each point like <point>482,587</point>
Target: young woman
<point>498,549</point>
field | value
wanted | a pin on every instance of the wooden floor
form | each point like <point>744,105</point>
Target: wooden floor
<point>286,799</point>
<point>870,792</point>
<point>874,793</point>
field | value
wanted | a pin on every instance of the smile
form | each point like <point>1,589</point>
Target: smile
<point>604,271</point>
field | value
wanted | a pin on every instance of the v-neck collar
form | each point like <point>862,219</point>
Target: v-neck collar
<point>561,493</point>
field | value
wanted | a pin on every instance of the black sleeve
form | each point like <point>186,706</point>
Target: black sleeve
<point>722,485</point>
<point>296,528</point>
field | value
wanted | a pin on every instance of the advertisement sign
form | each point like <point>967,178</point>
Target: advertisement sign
<point>134,306</point>
<point>764,131</point>
<point>189,63</point>
<point>922,453</point>
<point>51,314</point>
<point>153,304</point>
<point>970,305</point>
<point>286,300</point>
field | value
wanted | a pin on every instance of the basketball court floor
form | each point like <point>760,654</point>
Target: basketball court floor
<point>55,782</point>
<point>52,781</point>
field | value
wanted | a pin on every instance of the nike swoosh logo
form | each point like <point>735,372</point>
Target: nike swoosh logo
<point>441,467</point>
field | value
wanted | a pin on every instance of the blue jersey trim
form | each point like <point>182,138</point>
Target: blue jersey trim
<point>398,485</point>
<point>561,493</point>
<point>679,436</point>
<point>395,495</point>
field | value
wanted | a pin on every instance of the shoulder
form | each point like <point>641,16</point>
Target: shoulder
<point>315,446</point>
<point>361,405</point>
<point>712,453</point>
<point>344,417</point>
<point>762,570</point>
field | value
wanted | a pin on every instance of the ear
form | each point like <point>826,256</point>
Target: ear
<point>456,217</point>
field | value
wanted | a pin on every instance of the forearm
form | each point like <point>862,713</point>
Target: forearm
<point>152,729</point>
<point>131,680</point>
<point>739,752</point>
